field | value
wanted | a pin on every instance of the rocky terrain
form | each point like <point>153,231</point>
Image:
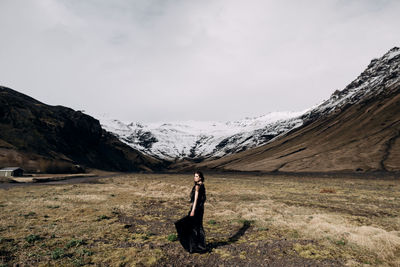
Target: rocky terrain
<point>41,137</point>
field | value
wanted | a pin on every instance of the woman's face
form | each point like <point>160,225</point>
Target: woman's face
<point>196,178</point>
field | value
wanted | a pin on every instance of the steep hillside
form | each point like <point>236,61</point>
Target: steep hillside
<point>37,136</point>
<point>356,129</point>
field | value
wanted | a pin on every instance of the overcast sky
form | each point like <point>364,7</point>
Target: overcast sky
<point>167,60</point>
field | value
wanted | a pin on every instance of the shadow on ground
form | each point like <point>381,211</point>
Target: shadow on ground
<point>234,238</point>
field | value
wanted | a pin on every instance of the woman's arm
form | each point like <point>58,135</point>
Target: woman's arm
<point>196,196</point>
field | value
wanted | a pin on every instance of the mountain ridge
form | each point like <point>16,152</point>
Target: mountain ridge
<point>356,129</point>
<point>200,139</point>
<point>37,136</point>
<point>165,143</point>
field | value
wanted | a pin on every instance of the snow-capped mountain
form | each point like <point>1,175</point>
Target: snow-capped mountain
<point>356,130</point>
<point>208,139</point>
<point>201,139</point>
<point>379,76</point>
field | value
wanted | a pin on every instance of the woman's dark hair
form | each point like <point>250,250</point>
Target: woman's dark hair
<point>200,175</point>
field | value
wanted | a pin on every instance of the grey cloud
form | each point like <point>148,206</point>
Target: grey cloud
<point>179,60</point>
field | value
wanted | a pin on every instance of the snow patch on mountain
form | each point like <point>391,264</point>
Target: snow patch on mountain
<point>200,139</point>
<point>204,139</point>
<point>375,79</point>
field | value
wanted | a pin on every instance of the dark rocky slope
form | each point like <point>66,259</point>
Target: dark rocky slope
<point>37,136</point>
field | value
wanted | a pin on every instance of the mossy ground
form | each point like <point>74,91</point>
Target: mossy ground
<point>248,221</point>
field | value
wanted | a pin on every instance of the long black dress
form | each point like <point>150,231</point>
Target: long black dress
<point>190,228</point>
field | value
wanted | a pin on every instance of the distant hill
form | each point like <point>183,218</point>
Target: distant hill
<point>356,129</point>
<point>199,140</point>
<point>41,137</point>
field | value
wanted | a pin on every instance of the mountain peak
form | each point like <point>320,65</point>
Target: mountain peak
<point>195,139</point>
<point>393,50</point>
<point>387,58</point>
<point>377,78</point>
<point>356,129</point>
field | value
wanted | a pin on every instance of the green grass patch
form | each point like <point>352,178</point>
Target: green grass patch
<point>84,252</point>
<point>341,242</point>
<point>32,238</point>
<point>78,262</point>
<point>172,237</point>
<point>75,243</point>
<point>58,253</point>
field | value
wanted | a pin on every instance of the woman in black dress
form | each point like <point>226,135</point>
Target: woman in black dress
<point>190,228</point>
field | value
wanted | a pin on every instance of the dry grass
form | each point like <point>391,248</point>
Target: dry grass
<point>128,220</point>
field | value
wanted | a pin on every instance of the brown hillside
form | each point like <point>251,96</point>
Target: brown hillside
<point>360,132</point>
<point>364,137</point>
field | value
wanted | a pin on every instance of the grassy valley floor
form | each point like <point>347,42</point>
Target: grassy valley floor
<point>249,220</point>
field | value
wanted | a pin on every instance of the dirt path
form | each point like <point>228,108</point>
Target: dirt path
<point>76,180</point>
<point>235,175</point>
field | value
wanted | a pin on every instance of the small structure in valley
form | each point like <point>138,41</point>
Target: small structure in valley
<point>11,172</point>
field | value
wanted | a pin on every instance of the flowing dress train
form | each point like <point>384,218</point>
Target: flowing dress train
<point>190,228</point>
